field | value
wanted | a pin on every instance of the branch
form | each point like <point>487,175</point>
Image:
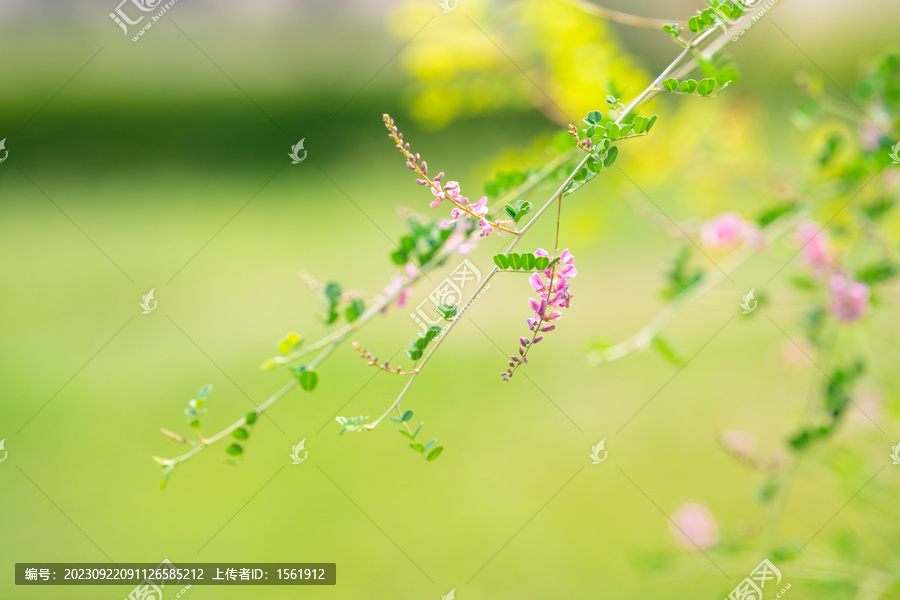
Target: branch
<point>641,99</point>
<point>619,17</point>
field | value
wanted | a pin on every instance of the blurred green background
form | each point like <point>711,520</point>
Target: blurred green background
<point>163,164</point>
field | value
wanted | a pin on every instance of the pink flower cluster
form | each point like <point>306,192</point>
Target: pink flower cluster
<point>849,299</point>
<point>694,527</point>
<point>462,207</point>
<point>552,287</point>
<point>398,286</point>
<point>729,230</point>
<point>818,253</point>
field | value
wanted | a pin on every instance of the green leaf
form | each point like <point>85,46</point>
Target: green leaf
<point>510,211</point>
<point>407,416</point>
<point>398,257</point>
<point>689,86</point>
<point>308,380</point>
<point>707,86</point>
<point>639,124</point>
<point>877,272</point>
<point>433,332</point>
<point>355,310</point>
<point>204,391</point>
<point>501,261</point>
<point>611,155</point>
<point>447,311</point>
<point>527,262</point>
<point>417,447</point>
<point>594,117</point>
<point>541,263</point>
<point>652,122</point>
<point>613,131</point>
<point>235,449</point>
<point>414,354</point>
<point>251,417</point>
<point>333,292</point>
<point>553,262</point>
<point>515,261</point>
<point>407,434</point>
<point>420,343</point>
<point>694,24</point>
<point>240,433</point>
<point>430,444</point>
<point>522,209</point>
<point>670,84</point>
<point>435,453</point>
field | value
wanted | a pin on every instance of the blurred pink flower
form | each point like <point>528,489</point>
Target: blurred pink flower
<point>694,527</point>
<point>727,231</point>
<point>849,299</point>
<point>396,286</point>
<point>818,253</point>
<point>741,443</point>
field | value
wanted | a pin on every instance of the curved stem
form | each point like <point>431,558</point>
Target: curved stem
<point>621,17</point>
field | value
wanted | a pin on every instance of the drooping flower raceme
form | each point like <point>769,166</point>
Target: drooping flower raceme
<point>553,293</point>
<point>450,191</point>
<point>849,299</point>
<point>728,231</point>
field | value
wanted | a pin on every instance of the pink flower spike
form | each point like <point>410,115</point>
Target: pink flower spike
<point>566,257</point>
<point>534,304</point>
<point>536,282</point>
<point>849,299</point>
<point>541,252</point>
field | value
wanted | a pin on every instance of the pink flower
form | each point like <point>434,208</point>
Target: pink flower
<point>396,286</point>
<point>694,527</point>
<point>818,253</point>
<point>740,443</point>
<point>451,191</point>
<point>849,299</point>
<point>728,231</point>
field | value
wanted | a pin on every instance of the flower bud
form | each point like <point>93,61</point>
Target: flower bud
<point>538,338</point>
<point>548,328</point>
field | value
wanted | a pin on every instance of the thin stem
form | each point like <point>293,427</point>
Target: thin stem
<point>621,17</point>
